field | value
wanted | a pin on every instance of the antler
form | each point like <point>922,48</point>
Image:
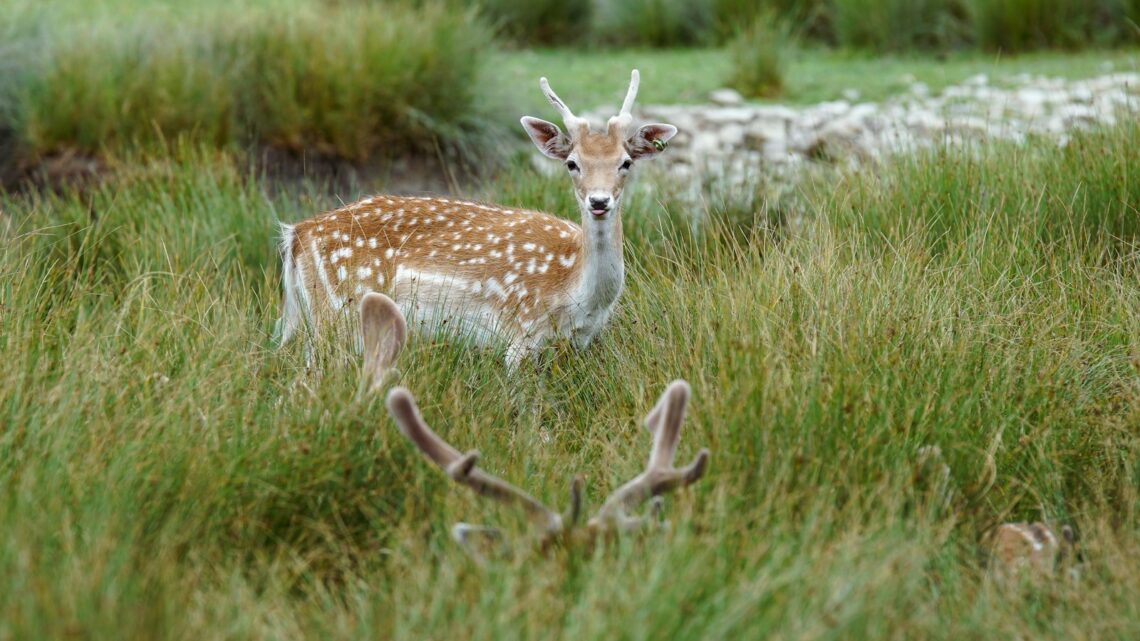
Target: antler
<point>664,422</point>
<point>574,125</point>
<point>384,331</point>
<point>624,118</point>
<point>461,467</point>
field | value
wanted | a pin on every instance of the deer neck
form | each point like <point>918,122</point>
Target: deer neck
<point>603,267</point>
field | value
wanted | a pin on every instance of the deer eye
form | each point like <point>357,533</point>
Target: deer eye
<point>571,165</point>
<point>626,165</point>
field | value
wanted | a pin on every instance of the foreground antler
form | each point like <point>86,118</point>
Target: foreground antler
<point>384,331</point>
<point>461,467</point>
<point>658,478</point>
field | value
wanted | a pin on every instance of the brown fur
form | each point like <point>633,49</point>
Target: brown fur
<point>442,236</point>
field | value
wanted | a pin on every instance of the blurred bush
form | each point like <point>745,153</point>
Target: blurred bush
<point>876,25</point>
<point>655,23</point>
<point>900,25</point>
<point>1022,25</point>
<point>347,80</point>
<point>760,54</point>
<point>812,18</point>
<point>541,22</point>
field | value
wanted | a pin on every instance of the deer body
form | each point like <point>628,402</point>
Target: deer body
<point>491,273</point>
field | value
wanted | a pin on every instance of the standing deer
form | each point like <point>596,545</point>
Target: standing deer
<point>383,337</point>
<point>492,273</point>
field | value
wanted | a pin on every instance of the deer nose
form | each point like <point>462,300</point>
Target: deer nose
<point>599,202</point>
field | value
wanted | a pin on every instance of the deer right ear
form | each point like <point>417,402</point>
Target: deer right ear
<point>384,331</point>
<point>547,137</point>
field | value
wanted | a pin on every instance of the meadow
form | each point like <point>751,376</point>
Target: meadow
<point>167,473</point>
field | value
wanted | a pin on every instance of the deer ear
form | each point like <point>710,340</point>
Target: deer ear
<point>547,137</point>
<point>650,140</point>
<point>384,331</point>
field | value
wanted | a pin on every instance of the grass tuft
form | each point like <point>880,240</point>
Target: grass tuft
<point>760,53</point>
<point>347,81</point>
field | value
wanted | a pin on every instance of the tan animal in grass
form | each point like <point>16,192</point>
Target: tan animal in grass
<point>1033,551</point>
<point>495,274</point>
<point>384,332</point>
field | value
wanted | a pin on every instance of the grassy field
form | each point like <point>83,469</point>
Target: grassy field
<point>164,473</point>
<point>683,76</point>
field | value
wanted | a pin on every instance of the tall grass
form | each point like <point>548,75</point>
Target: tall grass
<point>900,25</point>
<point>1019,25</point>
<point>760,54</point>
<point>655,23</point>
<point>349,81</point>
<point>541,22</point>
<point>165,474</point>
<point>884,25</point>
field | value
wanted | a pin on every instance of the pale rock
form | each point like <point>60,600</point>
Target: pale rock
<point>726,98</point>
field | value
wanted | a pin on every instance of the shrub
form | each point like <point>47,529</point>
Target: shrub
<point>1018,25</point>
<point>1022,25</point>
<point>812,18</point>
<point>543,22</point>
<point>349,81</point>
<point>655,23</point>
<point>899,25</point>
<point>759,56</point>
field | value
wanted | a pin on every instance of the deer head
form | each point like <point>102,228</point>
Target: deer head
<point>1033,551</point>
<point>383,333</point>
<point>598,162</point>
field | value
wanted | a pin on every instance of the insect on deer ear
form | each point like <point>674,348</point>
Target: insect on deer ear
<point>384,331</point>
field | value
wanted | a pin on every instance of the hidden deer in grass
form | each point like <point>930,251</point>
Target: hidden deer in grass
<point>491,273</point>
<point>384,330</point>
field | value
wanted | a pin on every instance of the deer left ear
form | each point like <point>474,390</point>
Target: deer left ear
<point>650,140</point>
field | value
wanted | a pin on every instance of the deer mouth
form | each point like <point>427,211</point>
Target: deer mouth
<point>598,213</point>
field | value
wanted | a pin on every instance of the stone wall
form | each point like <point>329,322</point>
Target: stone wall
<point>737,140</point>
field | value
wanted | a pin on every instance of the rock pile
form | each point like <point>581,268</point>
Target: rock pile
<point>736,140</point>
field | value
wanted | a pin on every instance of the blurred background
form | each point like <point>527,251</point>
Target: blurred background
<point>430,92</point>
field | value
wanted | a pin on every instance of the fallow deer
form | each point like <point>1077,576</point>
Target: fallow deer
<point>383,333</point>
<point>1032,551</point>
<point>493,273</point>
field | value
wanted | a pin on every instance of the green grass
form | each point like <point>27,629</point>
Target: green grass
<point>686,76</point>
<point>362,83</point>
<point>351,81</point>
<point>165,474</point>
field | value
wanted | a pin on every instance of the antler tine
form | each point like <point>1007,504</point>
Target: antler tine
<point>659,476</point>
<point>670,411</point>
<point>574,124</point>
<point>631,93</point>
<point>461,468</point>
<point>624,118</point>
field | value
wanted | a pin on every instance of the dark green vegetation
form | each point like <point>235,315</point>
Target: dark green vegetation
<point>879,25</point>
<point>302,83</point>
<point>165,474</point>
<point>354,82</point>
